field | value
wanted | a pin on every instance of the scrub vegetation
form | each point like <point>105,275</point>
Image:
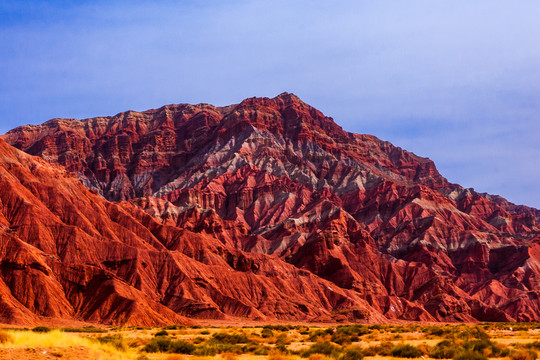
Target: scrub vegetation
<point>277,342</point>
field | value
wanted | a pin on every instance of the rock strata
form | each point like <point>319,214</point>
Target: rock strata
<point>263,210</point>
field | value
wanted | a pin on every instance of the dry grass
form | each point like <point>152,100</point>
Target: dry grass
<point>284,344</point>
<point>5,337</point>
<point>175,357</point>
<point>59,340</point>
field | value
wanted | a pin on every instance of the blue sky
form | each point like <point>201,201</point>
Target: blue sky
<point>455,81</point>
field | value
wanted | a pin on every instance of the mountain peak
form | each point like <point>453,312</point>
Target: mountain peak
<point>286,96</point>
<point>266,193</point>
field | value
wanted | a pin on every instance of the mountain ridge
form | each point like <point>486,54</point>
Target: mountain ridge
<point>274,179</point>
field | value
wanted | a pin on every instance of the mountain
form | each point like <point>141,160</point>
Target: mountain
<point>263,210</point>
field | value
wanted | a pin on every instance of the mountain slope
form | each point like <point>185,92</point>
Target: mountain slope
<point>271,188</point>
<point>69,254</point>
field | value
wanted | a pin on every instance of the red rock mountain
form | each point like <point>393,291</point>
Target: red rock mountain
<point>262,210</point>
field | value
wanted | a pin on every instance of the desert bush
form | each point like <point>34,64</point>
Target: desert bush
<point>346,334</point>
<point>116,340</point>
<point>42,329</point>
<point>267,333</point>
<point>86,329</point>
<point>162,333</point>
<point>5,337</point>
<point>318,334</point>
<point>282,339</point>
<point>199,340</point>
<point>143,357</point>
<point>469,355</point>
<point>383,349</point>
<point>181,347</point>
<point>486,347</point>
<point>524,355</point>
<point>445,349</point>
<point>325,348</point>
<point>532,345</point>
<point>204,332</point>
<point>135,342</point>
<point>255,348</point>
<point>402,329</point>
<point>212,348</point>
<point>477,345</point>
<point>175,327</point>
<point>353,329</point>
<point>280,327</point>
<point>342,338</point>
<point>158,344</point>
<point>353,353</point>
<point>475,332</point>
<point>205,350</point>
<point>261,350</point>
<point>405,351</point>
<point>230,338</point>
<point>439,331</point>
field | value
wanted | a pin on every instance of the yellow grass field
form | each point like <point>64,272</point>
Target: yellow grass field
<point>276,342</point>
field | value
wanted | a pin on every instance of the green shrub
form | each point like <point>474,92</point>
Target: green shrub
<point>279,327</point>
<point>444,350</point>
<point>469,355</point>
<point>342,338</point>
<point>158,344</point>
<point>405,351</point>
<point>86,329</point>
<point>282,339</point>
<point>230,338</point>
<point>524,355</point>
<point>116,340</point>
<point>477,345</point>
<point>354,353</point>
<point>213,348</point>
<point>41,329</point>
<point>357,330</point>
<point>325,348</point>
<point>175,327</point>
<point>162,333</point>
<point>205,350</point>
<point>261,350</point>
<point>199,340</point>
<point>382,349</point>
<point>474,333</point>
<point>438,331</point>
<point>181,347</point>
<point>482,346</point>
<point>267,333</point>
<point>319,333</point>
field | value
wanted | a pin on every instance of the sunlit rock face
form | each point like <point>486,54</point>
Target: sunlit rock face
<point>262,210</point>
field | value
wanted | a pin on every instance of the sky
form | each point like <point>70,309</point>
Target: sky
<point>456,81</point>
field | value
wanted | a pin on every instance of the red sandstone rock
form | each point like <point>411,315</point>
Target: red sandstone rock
<point>264,210</point>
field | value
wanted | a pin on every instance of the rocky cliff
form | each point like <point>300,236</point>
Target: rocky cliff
<point>262,210</point>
